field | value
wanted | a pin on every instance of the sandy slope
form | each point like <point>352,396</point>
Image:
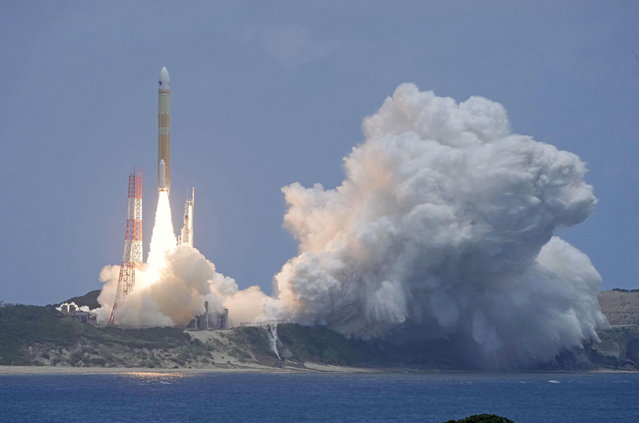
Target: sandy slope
<point>621,308</point>
<point>59,370</point>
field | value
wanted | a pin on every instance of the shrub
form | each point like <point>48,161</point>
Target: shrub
<point>482,418</point>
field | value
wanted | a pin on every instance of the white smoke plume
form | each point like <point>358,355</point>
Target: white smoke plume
<point>172,287</point>
<point>185,281</point>
<point>445,220</point>
<point>72,307</point>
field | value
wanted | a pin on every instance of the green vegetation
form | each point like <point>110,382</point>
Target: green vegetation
<point>23,328</point>
<point>32,335</point>
<point>250,342</point>
<point>296,344</point>
<point>318,344</point>
<point>22,325</point>
<point>482,418</point>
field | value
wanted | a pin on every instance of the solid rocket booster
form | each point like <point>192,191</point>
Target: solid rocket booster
<point>186,236</point>
<point>164,131</point>
<point>162,176</point>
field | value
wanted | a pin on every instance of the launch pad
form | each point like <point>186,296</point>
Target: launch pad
<point>132,257</point>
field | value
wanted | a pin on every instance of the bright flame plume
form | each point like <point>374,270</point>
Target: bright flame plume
<point>163,242</point>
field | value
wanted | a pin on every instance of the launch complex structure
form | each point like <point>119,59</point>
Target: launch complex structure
<point>132,257</point>
<point>133,253</point>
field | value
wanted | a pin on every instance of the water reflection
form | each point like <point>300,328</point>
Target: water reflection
<point>155,377</point>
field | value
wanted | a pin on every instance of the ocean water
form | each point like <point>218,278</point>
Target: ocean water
<point>298,397</point>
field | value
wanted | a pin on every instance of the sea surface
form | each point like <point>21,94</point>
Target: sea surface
<point>298,397</point>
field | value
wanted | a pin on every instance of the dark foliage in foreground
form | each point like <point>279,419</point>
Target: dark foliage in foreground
<point>482,418</point>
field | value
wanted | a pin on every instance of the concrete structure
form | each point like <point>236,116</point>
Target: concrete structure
<point>164,130</point>
<point>74,312</point>
<point>80,316</point>
<point>209,320</point>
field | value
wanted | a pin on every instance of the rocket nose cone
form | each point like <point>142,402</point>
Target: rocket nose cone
<point>164,80</point>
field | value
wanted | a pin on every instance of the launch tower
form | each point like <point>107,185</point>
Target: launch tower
<point>132,255</point>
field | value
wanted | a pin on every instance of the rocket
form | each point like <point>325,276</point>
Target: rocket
<point>164,131</point>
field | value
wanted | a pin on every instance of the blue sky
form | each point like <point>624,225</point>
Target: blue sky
<point>268,93</point>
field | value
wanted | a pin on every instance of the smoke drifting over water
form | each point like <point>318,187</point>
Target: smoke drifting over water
<point>445,220</point>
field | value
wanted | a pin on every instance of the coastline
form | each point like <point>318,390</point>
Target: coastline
<point>63,370</point>
<point>308,367</point>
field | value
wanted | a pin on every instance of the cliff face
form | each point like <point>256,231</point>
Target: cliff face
<point>618,349</point>
<point>620,307</point>
<point>619,346</point>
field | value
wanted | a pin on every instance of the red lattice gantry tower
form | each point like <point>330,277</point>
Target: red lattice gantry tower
<point>132,255</point>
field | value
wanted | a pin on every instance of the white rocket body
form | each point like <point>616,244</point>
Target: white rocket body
<point>162,177</point>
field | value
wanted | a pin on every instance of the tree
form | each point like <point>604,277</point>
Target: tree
<point>482,418</point>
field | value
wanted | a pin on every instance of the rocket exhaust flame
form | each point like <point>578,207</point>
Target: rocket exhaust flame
<point>163,240</point>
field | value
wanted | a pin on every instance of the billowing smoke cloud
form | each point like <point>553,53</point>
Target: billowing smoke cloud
<point>171,288</point>
<point>186,280</point>
<point>445,220</point>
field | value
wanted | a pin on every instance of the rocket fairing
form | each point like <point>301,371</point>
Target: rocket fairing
<point>164,131</point>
